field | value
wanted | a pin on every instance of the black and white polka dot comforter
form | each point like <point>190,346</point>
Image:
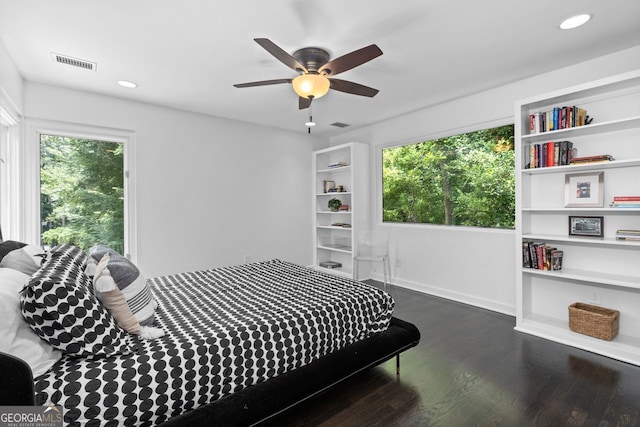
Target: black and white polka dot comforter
<point>226,329</point>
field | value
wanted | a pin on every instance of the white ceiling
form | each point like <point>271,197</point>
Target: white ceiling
<point>188,54</point>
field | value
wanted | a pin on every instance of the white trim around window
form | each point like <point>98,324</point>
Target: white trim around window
<point>377,166</point>
<point>31,174</point>
<point>9,167</point>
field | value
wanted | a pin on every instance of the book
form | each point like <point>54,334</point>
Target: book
<point>337,164</point>
<point>592,159</point>
<point>550,153</point>
<point>626,198</point>
<point>330,264</point>
<point>637,232</point>
<point>625,202</point>
<point>558,118</point>
<point>556,260</point>
<point>624,205</point>
<point>564,146</point>
<point>541,256</point>
<point>628,235</point>
<point>526,256</point>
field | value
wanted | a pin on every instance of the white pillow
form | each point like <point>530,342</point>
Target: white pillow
<point>27,259</point>
<point>16,337</point>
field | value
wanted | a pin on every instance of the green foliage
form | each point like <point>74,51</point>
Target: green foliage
<point>465,179</point>
<point>81,192</point>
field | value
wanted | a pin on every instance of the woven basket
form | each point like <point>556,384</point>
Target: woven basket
<point>598,322</point>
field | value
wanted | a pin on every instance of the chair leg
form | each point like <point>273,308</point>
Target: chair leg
<point>355,268</point>
<point>385,268</point>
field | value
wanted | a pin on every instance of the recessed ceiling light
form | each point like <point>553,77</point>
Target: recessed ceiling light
<point>574,21</point>
<point>126,83</point>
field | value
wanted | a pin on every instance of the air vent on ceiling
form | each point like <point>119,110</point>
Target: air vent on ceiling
<point>80,63</point>
<point>340,124</point>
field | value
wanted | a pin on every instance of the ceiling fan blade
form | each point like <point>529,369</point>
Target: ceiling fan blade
<point>304,102</point>
<point>351,60</point>
<point>281,55</point>
<point>263,83</point>
<point>353,88</point>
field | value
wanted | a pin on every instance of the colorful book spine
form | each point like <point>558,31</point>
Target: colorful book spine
<point>541,256</point>
<point>633,235</point>
<point>625,202</point>
<point>557,118</point>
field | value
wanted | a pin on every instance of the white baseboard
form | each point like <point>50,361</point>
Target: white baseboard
<point>452,295</point>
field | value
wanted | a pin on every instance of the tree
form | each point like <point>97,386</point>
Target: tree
<point>82,192</point>
<point>465,179</point>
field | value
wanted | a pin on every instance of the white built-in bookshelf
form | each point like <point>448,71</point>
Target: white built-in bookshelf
<point>346,166</point>
<point>601,271</point>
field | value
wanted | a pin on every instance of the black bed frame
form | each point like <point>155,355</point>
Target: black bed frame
<point>260,403</point>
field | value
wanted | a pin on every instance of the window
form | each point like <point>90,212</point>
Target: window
<point>81,192</point>
<point>34,177</point>
<point>465,180</point>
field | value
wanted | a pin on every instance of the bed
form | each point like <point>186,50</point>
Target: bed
<point>241,344</point>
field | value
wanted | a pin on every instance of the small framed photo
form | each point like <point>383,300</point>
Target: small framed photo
<point>329,186</point>
<point>592,226</point>
<point>584,190</point>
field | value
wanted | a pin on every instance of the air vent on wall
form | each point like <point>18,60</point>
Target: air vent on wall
<point>80,63</point>
<point>340,124</point>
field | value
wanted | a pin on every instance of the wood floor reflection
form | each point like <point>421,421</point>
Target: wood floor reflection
<point>472,369</point>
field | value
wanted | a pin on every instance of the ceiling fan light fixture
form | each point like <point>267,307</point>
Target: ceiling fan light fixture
<point>311,86</point>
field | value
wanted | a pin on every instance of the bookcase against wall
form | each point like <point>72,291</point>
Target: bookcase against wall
<point>601,271</point>
<point>334,233</point>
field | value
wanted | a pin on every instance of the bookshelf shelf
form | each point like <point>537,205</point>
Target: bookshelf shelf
<point>589,211</point>
<point>632,282</point>
<point>615,164</point>
<point>590,241</point>
<point>595,270</point>
<point>331,242</point>
<point>337,248</point>
<point>592,129</point>
<point>331,171</point>
<point>624,347</point>
<point>340,193</point>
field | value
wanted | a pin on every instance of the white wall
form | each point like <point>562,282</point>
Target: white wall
<point>209,190</point>
<point>10,82</point>
<point>466,264</point>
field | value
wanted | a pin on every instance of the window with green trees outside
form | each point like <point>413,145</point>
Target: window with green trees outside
<point>464,180</point>
<point>81,192</point>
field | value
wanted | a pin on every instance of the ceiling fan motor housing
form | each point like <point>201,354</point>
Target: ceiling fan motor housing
<point>312,58</point>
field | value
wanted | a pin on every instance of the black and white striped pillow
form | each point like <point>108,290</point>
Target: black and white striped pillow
<point>131,283</point>
<point>59,304</point>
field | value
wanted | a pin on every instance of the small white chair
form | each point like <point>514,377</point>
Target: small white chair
<point>372,246</point>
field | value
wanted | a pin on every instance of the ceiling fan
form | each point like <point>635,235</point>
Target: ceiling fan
<point>317,71</point>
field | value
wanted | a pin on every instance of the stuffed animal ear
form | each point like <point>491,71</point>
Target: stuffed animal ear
<point>90,269</point>
<point>101,266</point>
<point>103,282</point>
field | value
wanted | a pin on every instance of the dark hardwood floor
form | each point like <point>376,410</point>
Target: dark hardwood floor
<point>472,369</point>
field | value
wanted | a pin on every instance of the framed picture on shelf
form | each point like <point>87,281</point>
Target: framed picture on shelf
<point>329,186</point>
<point>584,190</point>
<point>592,226</point>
